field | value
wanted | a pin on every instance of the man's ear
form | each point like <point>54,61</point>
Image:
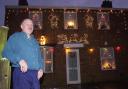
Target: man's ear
<point>21,26</point>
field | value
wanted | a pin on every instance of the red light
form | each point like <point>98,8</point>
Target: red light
<point>118,48</point>
<point>51,50</point>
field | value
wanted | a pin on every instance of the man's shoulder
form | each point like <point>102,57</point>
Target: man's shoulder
<point>15,35</point>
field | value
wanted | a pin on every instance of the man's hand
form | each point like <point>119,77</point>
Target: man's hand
<point>40,73</point>
<point>23,66</point>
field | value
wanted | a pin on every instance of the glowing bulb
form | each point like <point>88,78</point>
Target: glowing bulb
<point>71,24</point>
<point>91,50</point>
<point>42,40</point>
<point>107,65</point>
<point>67,50</point>
<point>118,48</point>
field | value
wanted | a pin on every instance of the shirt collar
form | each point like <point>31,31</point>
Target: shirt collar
<point>25,35</point>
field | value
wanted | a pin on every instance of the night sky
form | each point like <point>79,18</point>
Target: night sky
<point>60,3</point>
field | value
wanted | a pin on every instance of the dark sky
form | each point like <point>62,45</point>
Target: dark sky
<point>60,3</point>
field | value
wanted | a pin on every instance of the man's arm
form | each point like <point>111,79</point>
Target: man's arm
<point>9,50</point>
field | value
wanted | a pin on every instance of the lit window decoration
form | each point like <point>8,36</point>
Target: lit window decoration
<point>88,19</point>
<point>70,20</point>
<point>107,58</point>
<point>103,21</point>
<point>62,38</point>
<point>73,38</point>
<point>107,65</point>
<point>36,18</point>
<point>54,21</point>
<point>42,40</point>
<point>84,39</point>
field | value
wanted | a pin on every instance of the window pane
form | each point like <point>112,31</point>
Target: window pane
<point>72,59</point>
<point>47,52</point>
<point>73,73</point>
<point>48,66</point>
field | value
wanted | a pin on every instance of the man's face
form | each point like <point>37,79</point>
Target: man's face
<point>27,26</point>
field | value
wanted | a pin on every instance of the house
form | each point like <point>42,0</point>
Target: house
<point>80,45</point>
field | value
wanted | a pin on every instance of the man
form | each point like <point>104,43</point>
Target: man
<point>23,51</point>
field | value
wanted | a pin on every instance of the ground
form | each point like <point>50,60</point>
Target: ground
<point>105,85</point>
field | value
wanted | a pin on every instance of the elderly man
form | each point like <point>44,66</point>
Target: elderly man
<point>23,51</point>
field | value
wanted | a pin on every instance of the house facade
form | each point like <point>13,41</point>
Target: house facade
<point>79,45</point>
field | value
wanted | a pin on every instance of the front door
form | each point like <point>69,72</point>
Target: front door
<point>73,66</point>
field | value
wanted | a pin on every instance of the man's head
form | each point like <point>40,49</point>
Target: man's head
<point>27,26</point>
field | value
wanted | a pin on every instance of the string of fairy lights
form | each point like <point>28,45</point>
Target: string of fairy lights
<point>117,12</point>
<point>16,11</point>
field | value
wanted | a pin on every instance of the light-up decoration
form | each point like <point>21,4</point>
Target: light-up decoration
<point>88,19</point>
<point>70,24</point>
<point>48,62</point>
<point>91,50</point>
<point>42,40</point>
<point>118,48</point>
<point>107,65</point>
<point>103,21</point>
<point>51,49</point>
<point>84,39</point>
<point>62,38</point>
<point>72,38</point>
<point>54,21</point>
<point>36,17</point>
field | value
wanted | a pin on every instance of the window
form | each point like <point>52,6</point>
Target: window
<point>103,21</point>
<point>70,20</point>
<point>107,58</point>
<point>47,52</point>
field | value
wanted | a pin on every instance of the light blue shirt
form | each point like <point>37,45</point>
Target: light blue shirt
<point>19,47</point>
